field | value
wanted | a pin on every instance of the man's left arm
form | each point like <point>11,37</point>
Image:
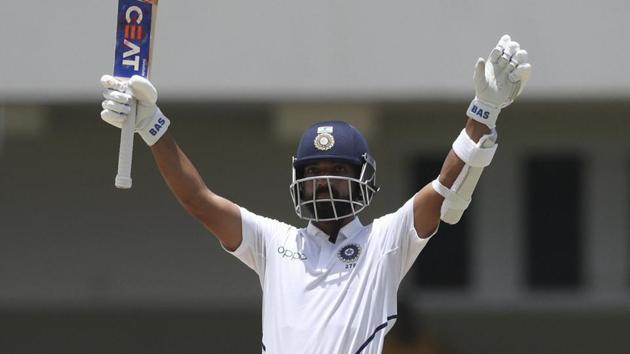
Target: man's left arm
<point>498,81</point>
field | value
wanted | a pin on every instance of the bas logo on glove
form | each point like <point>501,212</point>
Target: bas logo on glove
<point>156,128</point>
<point>480,112</point>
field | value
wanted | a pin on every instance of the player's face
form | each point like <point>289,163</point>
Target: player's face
<point>328,168</point>
<point>320,187</point>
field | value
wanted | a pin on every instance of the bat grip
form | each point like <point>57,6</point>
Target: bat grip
<point>125,154</point>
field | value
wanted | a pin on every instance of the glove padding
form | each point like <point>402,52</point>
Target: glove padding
<point>498,81</point>
<point>151,124</point>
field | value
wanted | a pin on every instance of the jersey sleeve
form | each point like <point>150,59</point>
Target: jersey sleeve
<point>258,232</point>
<point>400,238</point>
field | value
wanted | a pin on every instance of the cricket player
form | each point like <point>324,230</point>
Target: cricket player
<point>331,287</point>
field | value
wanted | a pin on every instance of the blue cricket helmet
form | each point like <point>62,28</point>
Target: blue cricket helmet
<point>333,140</point>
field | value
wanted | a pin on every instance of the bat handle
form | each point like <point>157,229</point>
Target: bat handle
<point>125,154</point>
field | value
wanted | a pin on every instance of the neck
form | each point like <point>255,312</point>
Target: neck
<point>332,227</point>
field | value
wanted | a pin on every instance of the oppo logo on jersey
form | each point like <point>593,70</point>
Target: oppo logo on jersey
<point>157,126</point>
<point>291,254</point>
<point>480,112</point>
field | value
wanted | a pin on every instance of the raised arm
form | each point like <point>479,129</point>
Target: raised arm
<point>497,83</point>
<point>428,201</point>
<point>216,213</point>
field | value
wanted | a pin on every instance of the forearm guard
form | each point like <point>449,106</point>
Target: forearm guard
<point>476,157</point>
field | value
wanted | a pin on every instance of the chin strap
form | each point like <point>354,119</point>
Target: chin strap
<point>476,157</point>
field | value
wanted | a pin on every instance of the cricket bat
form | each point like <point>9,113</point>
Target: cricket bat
<point>134,43</point>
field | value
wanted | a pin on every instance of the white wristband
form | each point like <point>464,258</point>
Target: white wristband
<point>474,154</point>
<point>483,113</point>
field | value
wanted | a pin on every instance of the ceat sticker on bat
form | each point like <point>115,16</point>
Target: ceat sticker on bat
<point>133,37</point>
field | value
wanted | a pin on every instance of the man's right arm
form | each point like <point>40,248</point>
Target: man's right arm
<point>217,214</point>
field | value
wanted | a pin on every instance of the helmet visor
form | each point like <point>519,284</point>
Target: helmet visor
<point>324,198</point>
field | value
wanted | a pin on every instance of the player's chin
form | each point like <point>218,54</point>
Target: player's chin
<point>325,209</point>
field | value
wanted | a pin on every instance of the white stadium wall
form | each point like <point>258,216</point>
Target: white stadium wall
<point>237,49</point>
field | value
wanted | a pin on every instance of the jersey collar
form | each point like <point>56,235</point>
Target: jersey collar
<point>347,232</point>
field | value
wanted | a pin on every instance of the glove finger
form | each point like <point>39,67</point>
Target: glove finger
<point>510,49</point>
<point>521,73</point>
<point>143,89</point>
<point>496,53</point>
<point>117,96</point>
<point>479,77</point>
<point>112,83</point>
<point>116,107</point>
<point>521,57</point>
<point>504,40</point>
<point>113,118</point>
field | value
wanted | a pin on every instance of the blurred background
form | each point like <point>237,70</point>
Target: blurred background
<point>539,264</point>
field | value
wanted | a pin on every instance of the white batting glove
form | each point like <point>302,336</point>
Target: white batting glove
<point>498,81</point>
<point>151,124</point>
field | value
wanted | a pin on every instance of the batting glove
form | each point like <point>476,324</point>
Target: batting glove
<point>498,81</point>
<point>151,124</point>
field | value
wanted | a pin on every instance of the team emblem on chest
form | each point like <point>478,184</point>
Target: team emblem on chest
<point>349,253</point>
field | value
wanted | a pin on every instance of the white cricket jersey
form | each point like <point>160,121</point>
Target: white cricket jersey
<point>325,298</point>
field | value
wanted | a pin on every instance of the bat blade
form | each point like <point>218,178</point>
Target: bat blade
<point>134,45</point>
